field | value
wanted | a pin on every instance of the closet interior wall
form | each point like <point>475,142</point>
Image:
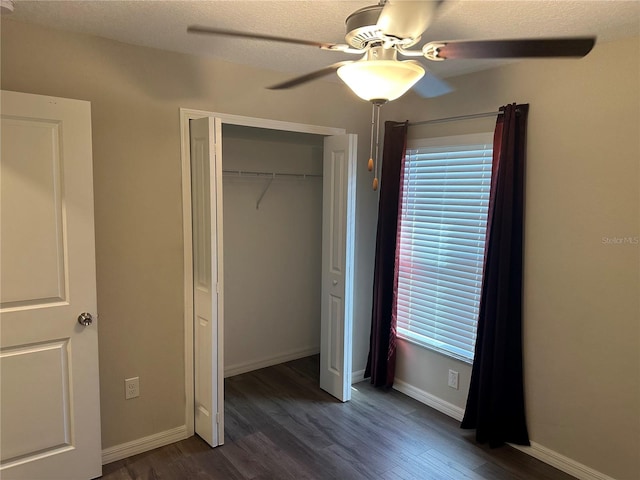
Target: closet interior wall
<point>272,234</point>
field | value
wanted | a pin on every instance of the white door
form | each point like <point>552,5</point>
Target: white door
<point>204,198</point>
<point>50,403</point>
<point>338,243</point>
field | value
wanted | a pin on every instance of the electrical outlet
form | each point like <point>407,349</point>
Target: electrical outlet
<point>131,388</point>
<point>453,379</point>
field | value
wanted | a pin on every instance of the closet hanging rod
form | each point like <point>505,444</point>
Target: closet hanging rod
<point>250,173</point>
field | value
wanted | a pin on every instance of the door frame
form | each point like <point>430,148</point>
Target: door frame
<point>187,114</point>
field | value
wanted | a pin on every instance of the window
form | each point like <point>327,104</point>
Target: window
<point>443,225</point>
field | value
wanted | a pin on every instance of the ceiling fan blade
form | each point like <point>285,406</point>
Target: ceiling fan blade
<point>259,36</point>
<point>431,86</point>
<point>524,48</point>
<point>407,18</point>
<point>294,82</point>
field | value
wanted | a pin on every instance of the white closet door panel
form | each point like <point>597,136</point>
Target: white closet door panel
<point>338,227</point>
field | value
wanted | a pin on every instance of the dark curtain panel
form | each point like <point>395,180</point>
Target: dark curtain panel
<point>381,364</point>
<point>495,405</point>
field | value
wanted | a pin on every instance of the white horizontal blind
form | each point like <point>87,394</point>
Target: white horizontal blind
<point>442,236</point>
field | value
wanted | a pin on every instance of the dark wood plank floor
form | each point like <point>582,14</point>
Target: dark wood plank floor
<point>280,425</point>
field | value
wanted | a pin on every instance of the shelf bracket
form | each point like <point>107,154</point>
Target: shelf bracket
<point>264,191</point>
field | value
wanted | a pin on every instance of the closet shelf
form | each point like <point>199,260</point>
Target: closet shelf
<point>249,173</point>
<point>269,176</point>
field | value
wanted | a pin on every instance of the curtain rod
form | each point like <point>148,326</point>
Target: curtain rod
<point>453,119</point>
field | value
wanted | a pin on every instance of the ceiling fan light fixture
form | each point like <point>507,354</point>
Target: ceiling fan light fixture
<point>380,80</point>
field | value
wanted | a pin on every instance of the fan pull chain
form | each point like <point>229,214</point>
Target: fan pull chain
<point>376,107</point>
<point>373,116</point>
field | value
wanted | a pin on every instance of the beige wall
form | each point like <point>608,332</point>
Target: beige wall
<point>272,254</point>
<point>135,94</point>
<point>581,295</point>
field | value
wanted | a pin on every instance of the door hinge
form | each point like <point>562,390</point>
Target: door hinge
<point>218,417</point>
<point>218,288</point>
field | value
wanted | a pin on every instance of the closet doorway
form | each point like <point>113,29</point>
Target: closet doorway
<point>286,194</point>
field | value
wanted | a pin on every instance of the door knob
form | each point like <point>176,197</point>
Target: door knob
<point>85,319</point>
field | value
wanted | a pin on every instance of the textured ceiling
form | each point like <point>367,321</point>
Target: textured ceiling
<point>162,24</point>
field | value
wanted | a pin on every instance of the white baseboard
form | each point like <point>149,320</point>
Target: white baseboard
<point>244,367</point>
<point>144,444</point>
<point>561,462</point>
<point>431,400</point>
<point>357,376</point>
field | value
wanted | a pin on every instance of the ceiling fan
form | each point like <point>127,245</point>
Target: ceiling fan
<point>380,33</point>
